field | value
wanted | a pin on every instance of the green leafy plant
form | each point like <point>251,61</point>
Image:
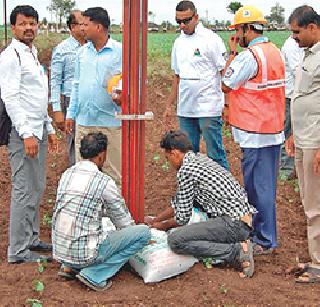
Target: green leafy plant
<point>223,289</point>
<point>47,219</point>
<point>165,166</point>
<point>38,285</point>
<point>207,262</point>
<point>34,302</point>
<point>42,264</point>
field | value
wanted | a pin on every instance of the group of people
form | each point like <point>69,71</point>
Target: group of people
<point>249,86</point>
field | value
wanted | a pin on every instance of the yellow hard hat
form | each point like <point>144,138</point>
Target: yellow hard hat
<point>247,14</point>
<point>113,82</point>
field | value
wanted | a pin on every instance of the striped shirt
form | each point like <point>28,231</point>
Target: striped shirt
<point>203,183</point>
<point>84,196</point>
<point>62,70</point>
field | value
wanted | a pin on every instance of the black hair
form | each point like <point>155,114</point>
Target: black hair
<point>304,15</point>
<point>185,6</point>
<point>176,139</point>
<point>251,27</point>
<point>71,20</point>
<point>98,15</point>
<point>25,10</point>
<point>92,144</point>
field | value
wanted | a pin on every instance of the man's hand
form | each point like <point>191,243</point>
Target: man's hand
<point>159,226</point>
<point>117,97</point>
<point>149,220</point>
<point>53,143</point>
<point>168,117</point>
<point>31,146</point>
<point>316,162</point>
<point>289,145</point>
<point>58,118</point>
<point>69,125</point>
<point>233,42</point>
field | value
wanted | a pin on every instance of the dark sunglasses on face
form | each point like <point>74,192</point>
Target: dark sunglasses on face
<point>184,21</point>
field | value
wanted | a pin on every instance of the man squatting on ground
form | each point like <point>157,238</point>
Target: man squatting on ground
<point>204,184</point>
<point>24,90</point>
<point>84,196</point>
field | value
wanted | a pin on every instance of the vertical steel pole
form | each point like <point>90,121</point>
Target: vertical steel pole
<point>134,97</point>
<point>5,22</point>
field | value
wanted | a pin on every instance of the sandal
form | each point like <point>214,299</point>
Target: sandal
<point>246,259</point>
<point>311,276</point>
<point>68,273</point>
<point>297,270</point>
<point>259,250</point>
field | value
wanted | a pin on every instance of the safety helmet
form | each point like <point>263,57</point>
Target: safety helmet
<point>248,15</point>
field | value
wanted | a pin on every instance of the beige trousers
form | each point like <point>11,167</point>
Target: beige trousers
<point>112,166</point>
<point>309,184</point>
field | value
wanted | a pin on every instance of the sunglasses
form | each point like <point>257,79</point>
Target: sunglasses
<point>184,21</point>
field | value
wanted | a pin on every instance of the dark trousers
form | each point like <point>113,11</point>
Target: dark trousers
<point>260,170</point>
<point>218,238</point>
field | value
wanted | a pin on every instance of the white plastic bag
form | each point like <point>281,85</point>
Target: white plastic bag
<point>156,262</point>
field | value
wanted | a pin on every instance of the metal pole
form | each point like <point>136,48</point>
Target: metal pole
<point>134,95</point>
<point>5,22</point>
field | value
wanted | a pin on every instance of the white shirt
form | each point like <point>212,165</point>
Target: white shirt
<point>243,68</point>
<point>293,57</point>
<point>198,60</point>
<point>24,90</point>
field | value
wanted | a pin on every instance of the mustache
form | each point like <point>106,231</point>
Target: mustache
<point>28,32</point>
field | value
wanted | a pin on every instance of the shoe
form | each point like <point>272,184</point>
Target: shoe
<point>68,273</point>
<point>31,257</point>
<point>259,250</point>
<point>246,259</point>
<point>41,247</point>
<point>95,287</point>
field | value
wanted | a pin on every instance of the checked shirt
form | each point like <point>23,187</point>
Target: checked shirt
<point>203,182</point>
<point>84,196</point>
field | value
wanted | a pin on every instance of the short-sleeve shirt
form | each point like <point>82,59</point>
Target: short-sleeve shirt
<point>305,104</point>
<point>243,68</point>
<point>198,60</point>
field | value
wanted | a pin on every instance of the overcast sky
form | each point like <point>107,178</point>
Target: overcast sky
<point>165,9</point>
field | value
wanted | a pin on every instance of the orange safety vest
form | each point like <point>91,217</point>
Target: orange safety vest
<point>259,105</point>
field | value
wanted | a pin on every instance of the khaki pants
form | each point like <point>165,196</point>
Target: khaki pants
<point>112,166</point>
<point>309,184</point>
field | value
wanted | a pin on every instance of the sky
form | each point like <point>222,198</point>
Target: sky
<point>165,9</point>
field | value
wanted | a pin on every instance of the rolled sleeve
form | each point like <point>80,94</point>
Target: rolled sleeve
<point>243,68</point>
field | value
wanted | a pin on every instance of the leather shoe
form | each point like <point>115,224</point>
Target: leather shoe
<point>41,247</point>
<point>30,257</point>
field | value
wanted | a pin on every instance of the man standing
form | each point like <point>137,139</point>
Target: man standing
<point>91,107</point>
<point>197,60</point>
<point>255,81</point>
<point>84,196</point>
<point>293,56</point>
<point>24,91</point>
<point>204,184</point>
<point>305,142</point>
<point>62,72</point>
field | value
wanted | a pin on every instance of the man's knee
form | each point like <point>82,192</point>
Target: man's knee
<point>174,241</point>
<point>143,232</point>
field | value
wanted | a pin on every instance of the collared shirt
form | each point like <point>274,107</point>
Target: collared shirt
<point>24,90</point>
<point>243,68</point>
<point>90,104</point>
<point>62,70</point>
<point>305,104</point>
<point>198,60</point>
<point>84,196</point>
<point>293,57</point>
<point>202,181</point>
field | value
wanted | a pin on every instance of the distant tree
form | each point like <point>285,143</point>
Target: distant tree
<point>61,8</point>
<point>277,14</point>
<point>234,6</point>
<point>44,21</point>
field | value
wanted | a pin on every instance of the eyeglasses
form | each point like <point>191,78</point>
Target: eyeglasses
<point>184,21</point>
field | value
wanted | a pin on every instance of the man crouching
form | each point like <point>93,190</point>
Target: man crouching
<point>204,184</point>
<point>84,196</point>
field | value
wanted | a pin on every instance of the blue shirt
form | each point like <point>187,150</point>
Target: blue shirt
<point>90,104</point>
<point>243,68</point>
<point>62,70</point>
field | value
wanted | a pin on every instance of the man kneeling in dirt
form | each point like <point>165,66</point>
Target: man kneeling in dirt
<point>84,196</point>
<point>204,184</point>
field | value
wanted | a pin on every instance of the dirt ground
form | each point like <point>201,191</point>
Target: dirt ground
<point>199,286</point>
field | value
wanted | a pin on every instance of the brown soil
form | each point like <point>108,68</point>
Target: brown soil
<point>199,286</point>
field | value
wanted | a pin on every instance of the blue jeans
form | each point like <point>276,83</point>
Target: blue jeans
<point>115,251</point>
<point>260,170</point>
<point>211,129</point>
